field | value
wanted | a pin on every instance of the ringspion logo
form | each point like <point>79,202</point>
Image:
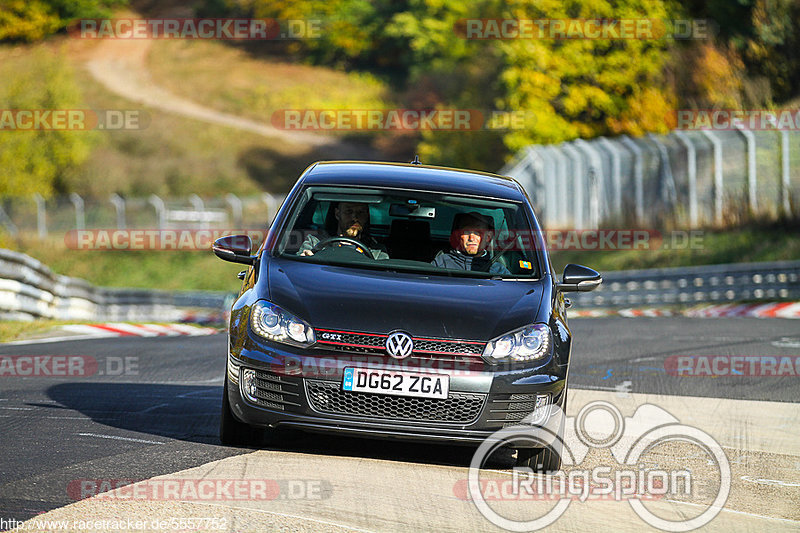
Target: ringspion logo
<point>632,478</point>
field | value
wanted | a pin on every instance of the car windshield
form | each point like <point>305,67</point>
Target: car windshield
<point>431,233</point>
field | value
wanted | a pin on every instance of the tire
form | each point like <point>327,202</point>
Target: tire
<point>544,460</point>
<point>540,460</point>
<point>232,432</point>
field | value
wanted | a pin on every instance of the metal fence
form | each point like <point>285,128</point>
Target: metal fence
<point>64,213</point>
<point>29,290</point>
<point>741,282</point>
<point>687,178</point>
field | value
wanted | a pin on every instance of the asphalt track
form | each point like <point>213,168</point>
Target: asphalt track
<point>159,416</point>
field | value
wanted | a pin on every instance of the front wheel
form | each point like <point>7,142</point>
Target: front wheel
<point>541,460</point>
<point>232,432</point>
<point>545,460</point>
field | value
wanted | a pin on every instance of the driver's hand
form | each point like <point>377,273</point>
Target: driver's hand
<point>307,252</point>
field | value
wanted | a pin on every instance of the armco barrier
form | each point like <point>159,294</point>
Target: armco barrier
<point>739,282</point>
<point>28,290</point>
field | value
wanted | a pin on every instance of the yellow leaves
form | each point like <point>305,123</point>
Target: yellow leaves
<point>31,161</point>
<point>717,77</point>
<point>27,20</point>
<point>648,110</point>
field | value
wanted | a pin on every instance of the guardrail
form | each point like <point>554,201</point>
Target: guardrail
<point>740,282</point>
<point>28,290</point>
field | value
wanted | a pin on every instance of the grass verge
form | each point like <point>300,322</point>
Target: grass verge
<point>738,245</point>
<point>236,82</point>
<point>166,270</point>
<point>11,330</point>
<point>201,270</point>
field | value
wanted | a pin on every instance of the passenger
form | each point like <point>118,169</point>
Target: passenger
<point>352,220</point>
<point>472,232</point>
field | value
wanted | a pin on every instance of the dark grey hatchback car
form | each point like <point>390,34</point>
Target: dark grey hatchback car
<point>399,301</point>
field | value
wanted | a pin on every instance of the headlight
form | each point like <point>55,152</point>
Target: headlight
<point>525,344</point>
<point>273,323</point>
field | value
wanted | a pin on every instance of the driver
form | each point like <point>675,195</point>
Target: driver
<point>472,232</point>
<point>352,221</point>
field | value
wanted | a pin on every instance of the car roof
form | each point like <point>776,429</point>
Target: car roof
<point>415,177</point>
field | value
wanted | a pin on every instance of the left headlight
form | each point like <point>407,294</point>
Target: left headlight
<point>275,324</point>
<point>524,344</point>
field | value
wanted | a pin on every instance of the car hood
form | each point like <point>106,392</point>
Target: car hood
<point>376,301</point>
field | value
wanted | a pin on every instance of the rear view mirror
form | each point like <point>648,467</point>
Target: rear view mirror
<point>234,248</point>
<point>411,211</point>
<point>578,278</point>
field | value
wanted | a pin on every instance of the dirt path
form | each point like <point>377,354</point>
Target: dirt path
<point>121,67</point>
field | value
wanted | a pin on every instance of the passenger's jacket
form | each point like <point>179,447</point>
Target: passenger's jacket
<point>456,260</point>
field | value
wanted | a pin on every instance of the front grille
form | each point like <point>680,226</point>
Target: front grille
<point>458,408</point>
<point>512,409</point>
<point>272,391</point>
<point>424,348</point>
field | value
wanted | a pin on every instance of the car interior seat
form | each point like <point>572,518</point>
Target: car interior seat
<point>410,239</point>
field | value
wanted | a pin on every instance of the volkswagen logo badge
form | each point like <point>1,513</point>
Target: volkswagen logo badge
<point>399,345</point>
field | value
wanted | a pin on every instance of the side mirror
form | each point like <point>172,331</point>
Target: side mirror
<point>234,248</point>
<point>578,278</point>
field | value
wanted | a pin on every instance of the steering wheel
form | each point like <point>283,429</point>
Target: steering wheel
<point>359,246</point>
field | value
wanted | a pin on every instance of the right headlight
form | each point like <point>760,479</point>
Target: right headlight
<point>524,344</point>
<point>275,324</point>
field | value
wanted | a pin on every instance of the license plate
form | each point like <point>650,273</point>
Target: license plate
<point>396,383</point>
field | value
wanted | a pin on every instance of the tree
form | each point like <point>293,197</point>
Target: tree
<point>34,161</point>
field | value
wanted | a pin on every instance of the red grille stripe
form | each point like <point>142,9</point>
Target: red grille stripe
<point>351,332</point>
<point>452,341</point>
<point>350,344</point>
<point>448,353</point>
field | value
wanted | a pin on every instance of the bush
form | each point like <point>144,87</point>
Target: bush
<point>37,161</point>
<point>32,20</point>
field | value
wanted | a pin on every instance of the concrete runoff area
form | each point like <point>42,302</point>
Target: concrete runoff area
<point>759,438</point>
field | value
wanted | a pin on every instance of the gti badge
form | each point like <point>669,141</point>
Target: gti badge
<point>399,345</point>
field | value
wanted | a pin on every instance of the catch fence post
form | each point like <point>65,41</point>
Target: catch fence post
<point>578,181</point>
<point>750,138</point>
<point>119,206</point>
<point>41,215</point>
<point>638,175</point>
<point>785,184</point>
<point>236,208</point>
<point>691,168</point>
<point>616,172</point>
<point>718,175</point>
<point>161,210</point>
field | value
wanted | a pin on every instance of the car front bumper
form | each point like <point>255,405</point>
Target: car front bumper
<point>302,389</point>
